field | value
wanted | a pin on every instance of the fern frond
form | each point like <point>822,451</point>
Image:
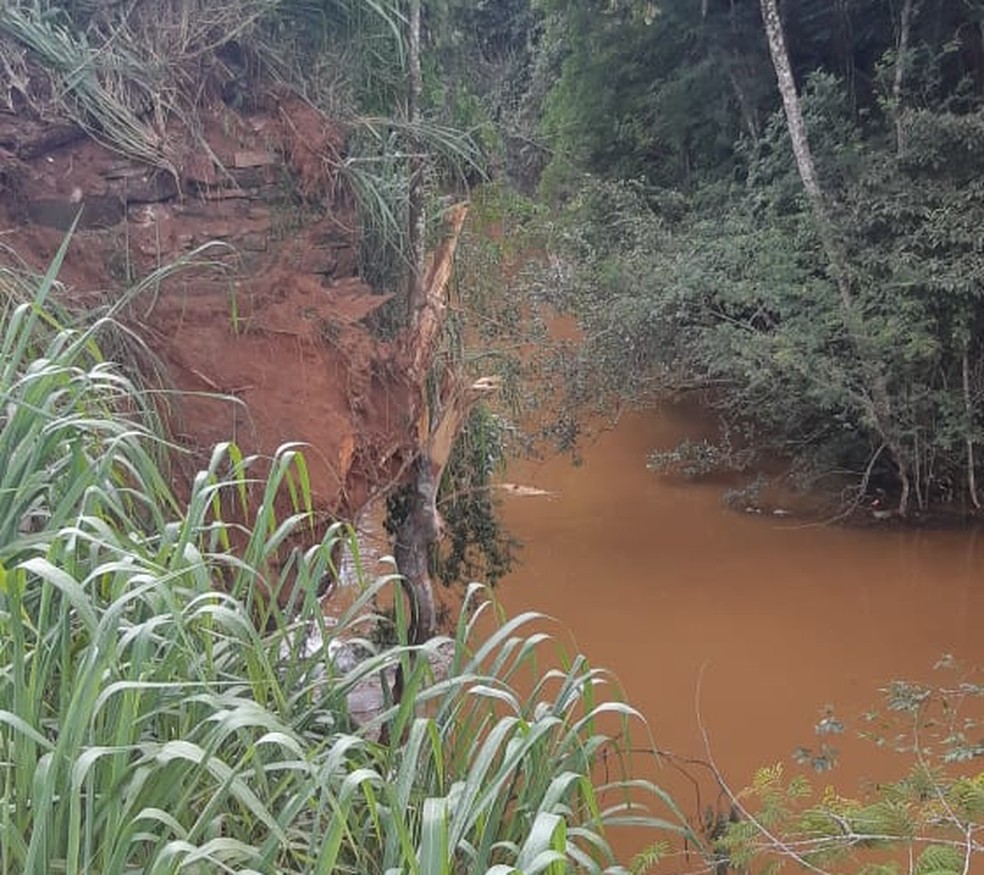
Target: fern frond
<point>940,860</point>
<point>650,857</point>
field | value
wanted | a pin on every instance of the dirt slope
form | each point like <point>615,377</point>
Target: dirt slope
<point>276,324</point>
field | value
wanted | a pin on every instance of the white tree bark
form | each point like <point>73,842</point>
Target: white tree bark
<point>901,59</point>
<point>878,400</point>
<point>791,104</point>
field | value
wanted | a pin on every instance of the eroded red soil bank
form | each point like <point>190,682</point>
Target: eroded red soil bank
<point>275,325</point>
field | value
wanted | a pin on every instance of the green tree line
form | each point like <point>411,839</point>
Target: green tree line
<point>689,247</point>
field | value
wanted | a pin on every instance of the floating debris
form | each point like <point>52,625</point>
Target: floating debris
<point>522,491</point>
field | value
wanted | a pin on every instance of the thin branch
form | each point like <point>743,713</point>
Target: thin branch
<point>775,841</point>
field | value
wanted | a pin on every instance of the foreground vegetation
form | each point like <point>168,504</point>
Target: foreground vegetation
<point>928,818</point>
<point>146,725</point>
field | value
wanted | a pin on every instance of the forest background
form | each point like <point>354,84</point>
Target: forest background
<point>695,258</point>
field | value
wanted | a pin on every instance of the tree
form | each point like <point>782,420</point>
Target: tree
<point>437,425</point>
<point>816,276</point>
<point>639,94</point>
<point>438,416</point>
<point>416,216</point>
<point>877,399</point>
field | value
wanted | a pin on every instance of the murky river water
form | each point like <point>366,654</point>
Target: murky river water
<point>772,619</point>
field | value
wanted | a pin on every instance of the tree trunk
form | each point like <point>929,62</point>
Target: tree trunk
<point>744,104</point>
<point>901,57</point>
<point>843,38</point>
<point>414,538</point>
<point>878,401</point>
<point>435,428</point>
<point>416,218</point>
<point>791,104</point>
<point>421,529</point>
<point>969,409</point>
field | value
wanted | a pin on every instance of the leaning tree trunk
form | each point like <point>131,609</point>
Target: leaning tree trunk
<point>877,398</point>
<point>791,104</point>
<point>435,426</point>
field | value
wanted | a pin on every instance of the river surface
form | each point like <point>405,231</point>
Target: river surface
<point>755,623</point>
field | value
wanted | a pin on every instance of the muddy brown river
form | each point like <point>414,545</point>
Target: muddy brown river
<point>754,622</point>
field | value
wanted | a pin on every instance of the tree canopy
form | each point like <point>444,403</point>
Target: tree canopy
<point>694,256</point>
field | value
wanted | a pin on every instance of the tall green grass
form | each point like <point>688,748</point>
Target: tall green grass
<point>146,725</point>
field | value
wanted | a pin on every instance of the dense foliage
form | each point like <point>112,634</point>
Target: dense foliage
<point>688,247</point>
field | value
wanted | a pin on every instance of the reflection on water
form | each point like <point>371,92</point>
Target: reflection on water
<point>753,623</point>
